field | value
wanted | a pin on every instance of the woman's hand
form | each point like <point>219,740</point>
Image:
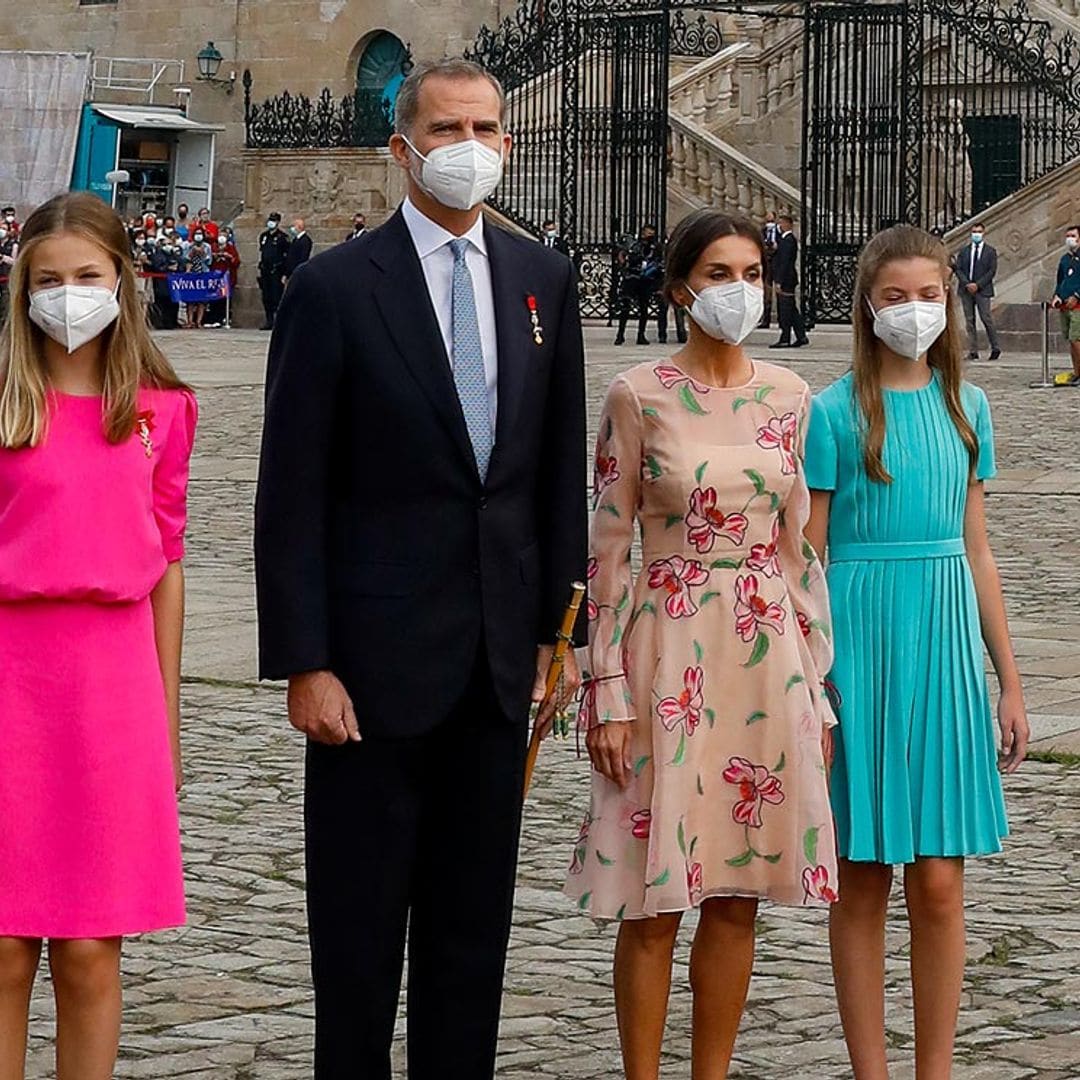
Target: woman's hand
<point>609,750</point>
<point>1015,730</point>
<point>176,753</point>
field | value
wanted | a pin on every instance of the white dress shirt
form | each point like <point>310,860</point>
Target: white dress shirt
<point>432,243</point>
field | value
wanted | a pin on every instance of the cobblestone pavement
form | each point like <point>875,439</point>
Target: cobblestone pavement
<point>228,997</point>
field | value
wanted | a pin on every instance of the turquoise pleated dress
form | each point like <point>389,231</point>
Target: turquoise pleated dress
<point>915,771</point>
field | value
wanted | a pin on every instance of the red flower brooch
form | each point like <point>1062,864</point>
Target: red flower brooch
<point>144,425</point>
<point>534,318</point>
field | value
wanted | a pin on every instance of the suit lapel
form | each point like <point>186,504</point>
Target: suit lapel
<point>510,286</point>
<point>405,305</point>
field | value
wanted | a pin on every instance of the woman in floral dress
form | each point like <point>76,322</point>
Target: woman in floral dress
<point>708,725</point>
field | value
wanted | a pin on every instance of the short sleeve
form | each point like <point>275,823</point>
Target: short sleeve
<point>821,456</point>
<point>986,466</point>
<point>171,475</point>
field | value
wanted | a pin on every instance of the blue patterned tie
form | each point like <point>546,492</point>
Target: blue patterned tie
<point>469,375</point>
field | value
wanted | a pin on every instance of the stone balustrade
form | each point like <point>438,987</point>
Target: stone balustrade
<point>708,92</point>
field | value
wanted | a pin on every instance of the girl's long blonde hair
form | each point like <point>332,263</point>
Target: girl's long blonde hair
<point>944,356</point>
<point>132,360</point>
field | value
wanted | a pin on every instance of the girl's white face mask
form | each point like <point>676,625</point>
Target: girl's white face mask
<point>460,175</point>
<point>728,312</point>
<point>74,314</point>
<point>910,329</point>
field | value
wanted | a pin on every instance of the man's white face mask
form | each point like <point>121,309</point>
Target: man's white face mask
<point>459,175</point>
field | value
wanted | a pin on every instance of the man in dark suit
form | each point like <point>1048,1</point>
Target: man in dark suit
<point>359,227</point>
<point>785,273</point>
<point>976,268</point>
<point>273,249</point>
<point>420,518</point>
<point>770,239</point>
<point>299,250</point>
<point>550,238</point>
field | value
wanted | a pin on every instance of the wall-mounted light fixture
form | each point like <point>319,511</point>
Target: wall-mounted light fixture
<point>209,60</point>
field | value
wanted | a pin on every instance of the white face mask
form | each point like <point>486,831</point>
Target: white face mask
<point>74,314</point>
<point>728,312</point>
<point>1071,243</point>
<point>910,329</point>
<point>461,175</point>
<point>976,237</point>
<point>271,224</point>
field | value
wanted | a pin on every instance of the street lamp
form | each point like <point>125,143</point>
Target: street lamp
<point>209,60</point>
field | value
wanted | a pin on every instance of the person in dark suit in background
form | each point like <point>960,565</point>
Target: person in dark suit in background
<point>419,520</point>
<point>785,272</point>
<point>770,239</point>
<point>976,267</point>
<point>273,248</point>
<point>359,227</point>
<point>550,238</point>
<point>299,250</point>
<point>640,270</point>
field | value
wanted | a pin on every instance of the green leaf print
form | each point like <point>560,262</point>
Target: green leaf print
<point>726,564</point>
<point>620,607</point>
<point>774,859</point>
<point>706,597</point>
<point>640,764</point>
<point>693,844</point>
<point>817,624</point>
<point>738,403</point>
<point>779,766</point>
<point>681,836</point>
<point>793,682</point>
<point>620,914</point>
<point>663,879</point>
<point>649,607</point>
<point>583,903</point>
<point>616,637</point>
<point>610,509</point>
<point>754,717</point>
<point>763,393</point>
<point>609,429</point>
<point>809,844</point>
<point>686,396</point>
<point>761,648</point>
<point>699,472</point>
<point>653,466</point>
<point>711,717</point>
<point>756,479</point>
<point>809,554</point>
<point>741,860</point>
<point>804,581</point>
<point>673,519</point>
<point>699,652</point>
<point>774,500</point>
<point>604,860</point>
<point>649,411</point>
<point>700,787</point>
<point>680,754</point>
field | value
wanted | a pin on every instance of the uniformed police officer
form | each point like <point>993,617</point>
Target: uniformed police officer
<point>273,249</point>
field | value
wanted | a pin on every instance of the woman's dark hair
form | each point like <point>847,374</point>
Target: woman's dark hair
<point>693,235</point>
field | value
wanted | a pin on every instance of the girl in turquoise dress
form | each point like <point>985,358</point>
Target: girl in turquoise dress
<point>897,453</point>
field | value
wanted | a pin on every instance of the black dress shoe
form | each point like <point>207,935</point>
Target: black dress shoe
<point>973,356</point>
<point>620,340</point>
<point>994,354</point>
<point>764,324</point>
<point>781,344</point>
<point>681,339</point>
<point>642,340</point>
<point>266,326</point>
<point>800,343</point>
<point>663,340</point>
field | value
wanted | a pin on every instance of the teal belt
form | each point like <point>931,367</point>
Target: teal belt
<point>912,549</point>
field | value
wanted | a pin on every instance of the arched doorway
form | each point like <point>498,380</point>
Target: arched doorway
<point>383,66</point>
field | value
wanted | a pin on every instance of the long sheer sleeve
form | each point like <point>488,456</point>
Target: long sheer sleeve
<point>804,574</point>
<point>616,490</point>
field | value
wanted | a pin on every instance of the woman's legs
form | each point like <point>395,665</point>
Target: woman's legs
<point>720,965</point>
<point>857,940</point>
<point>643,954</point>
<point>18,965</point>
<point>86,978</point>
<point>934,890</point>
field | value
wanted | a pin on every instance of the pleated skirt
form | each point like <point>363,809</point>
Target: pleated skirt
<point>915,772</point>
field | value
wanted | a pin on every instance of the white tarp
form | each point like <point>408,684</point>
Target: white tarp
<point>42,95</point>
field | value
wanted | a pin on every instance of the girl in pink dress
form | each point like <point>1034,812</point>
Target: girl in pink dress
<point>96,432</point>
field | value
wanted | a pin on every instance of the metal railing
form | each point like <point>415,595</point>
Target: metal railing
<point>133,75</point>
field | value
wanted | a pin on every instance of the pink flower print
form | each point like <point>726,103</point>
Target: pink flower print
<point>587,718</point>
<point>756,786</point>
<point>705,522</point>
<point>804,623</point>
<point>577,864</point>
<point>676,575</point>
<point>641,824</point>
<point>779,434</point>
<point>605,473</point>
<point>815,882</point>
<point>592,609</point>
<point>670,377</point>
<point>686,708</point>
<point>752,612</point>
<point>694,882</point>
<point>763,557</point>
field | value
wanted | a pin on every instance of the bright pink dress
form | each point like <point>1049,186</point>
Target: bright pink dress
<point>89,831</point>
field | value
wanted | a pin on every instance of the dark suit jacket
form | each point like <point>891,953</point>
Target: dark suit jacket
<point>379,554</point>
<point>985,269</point>
<point>299,253</point>
<point>785,263</point>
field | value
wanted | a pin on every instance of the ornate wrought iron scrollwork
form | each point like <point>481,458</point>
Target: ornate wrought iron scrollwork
<point>702,37</point>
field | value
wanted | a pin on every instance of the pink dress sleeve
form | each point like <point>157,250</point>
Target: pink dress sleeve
<point>616,488</point>
<point>806,577</point>
<point>171,476</point>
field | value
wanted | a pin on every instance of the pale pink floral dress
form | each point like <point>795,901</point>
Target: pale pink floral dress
<point>718,649</point>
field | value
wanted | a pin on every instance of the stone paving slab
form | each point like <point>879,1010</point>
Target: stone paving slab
<point>227,997</point>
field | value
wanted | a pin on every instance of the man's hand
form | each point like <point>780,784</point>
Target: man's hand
<point>571,682</point>
<point>972,287</point>
<point>1056,302</point>
<point>609,750</point>
<point>321,709</point>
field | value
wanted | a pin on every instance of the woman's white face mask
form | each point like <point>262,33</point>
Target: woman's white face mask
<point>74,314</point>
<point>910,329</point>
<point>728,312</point>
